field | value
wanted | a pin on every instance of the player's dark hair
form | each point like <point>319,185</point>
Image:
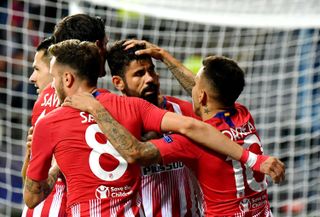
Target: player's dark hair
<point>225,77</point>
<point>43,46</point>
<point>83,57</point>
<point>118,58</point>
<point>80,26</point>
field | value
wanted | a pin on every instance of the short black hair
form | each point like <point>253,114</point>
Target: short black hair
<point>80,26</point>
<point>118,58</point>
<point>225,77</point>
<point>43,46</point>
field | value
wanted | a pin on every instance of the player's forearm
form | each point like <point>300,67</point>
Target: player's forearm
<point>123,141</point>
<point>35,192</point>
<point>202,133</point>
<point>212,138</point>
<point>25,165</point>
<point>179,71</point>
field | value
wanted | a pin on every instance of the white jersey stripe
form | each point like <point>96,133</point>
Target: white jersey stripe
<point>56,201</point>
<point>166,192</point>
<point>127,209</point>
<point>24,212</point>
<point>95,208</point>
<point>38,209</point>
<point>182,192</point>
<point>176,108</point>
<point>147,195</point>
<point>75,210</point>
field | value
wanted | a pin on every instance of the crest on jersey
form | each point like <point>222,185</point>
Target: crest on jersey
<point>102,192</point>
<point>245,205</point>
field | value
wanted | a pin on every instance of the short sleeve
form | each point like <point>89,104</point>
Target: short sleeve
<point>41,151</point>
<point>151,115</point>
<point>175,147</point>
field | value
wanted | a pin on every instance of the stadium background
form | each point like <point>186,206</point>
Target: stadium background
<point>277,43</point>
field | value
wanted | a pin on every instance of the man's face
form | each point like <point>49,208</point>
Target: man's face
<point>142,81</point>
<point>56,72</point>
<point>196,91</point>
<point>40,75</point>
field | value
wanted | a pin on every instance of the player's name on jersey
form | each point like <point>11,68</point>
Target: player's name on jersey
<point>86,118</point>
<point>50,100</point>
<point>157,168</point>
<point>241,132</point>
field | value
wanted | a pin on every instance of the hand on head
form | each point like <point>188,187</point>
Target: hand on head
<point>150,49</point>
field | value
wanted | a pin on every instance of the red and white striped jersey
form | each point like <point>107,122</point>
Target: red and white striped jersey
<point>100,182</point>
<point>55,204</point>
<point>229,188</point>
<point>170,190</point>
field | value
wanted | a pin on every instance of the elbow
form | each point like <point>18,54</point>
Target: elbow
<point>145,154</point>
<point>31,201</point>
<point>134,155</point>
<point>189,125</point>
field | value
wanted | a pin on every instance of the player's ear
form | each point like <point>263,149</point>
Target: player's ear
<point>99,44</point>
<point>118,82</point>
<point>68,78</point>
<point>203,97</point>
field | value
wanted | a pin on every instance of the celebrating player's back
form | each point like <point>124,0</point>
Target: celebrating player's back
<point>99,180</point>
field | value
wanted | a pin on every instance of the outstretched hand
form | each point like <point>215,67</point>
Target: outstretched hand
<point>151,49</point>
<point>273,167</point>
<point>82,101</point>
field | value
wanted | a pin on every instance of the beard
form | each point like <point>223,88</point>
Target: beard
<point>151,96</point>
<point>61,93</point>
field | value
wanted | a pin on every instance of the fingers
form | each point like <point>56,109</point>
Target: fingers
<point>133,42</point>
<point>29,145</point>
<point>277,170</point>
<point>30,131</point>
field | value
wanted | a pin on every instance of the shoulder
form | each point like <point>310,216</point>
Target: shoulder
<point>243,111</point>
<point>60,113</point>
<point>177,100</point>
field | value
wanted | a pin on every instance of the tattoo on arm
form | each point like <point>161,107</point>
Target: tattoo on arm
<point>122,140</point>
<point>42,188</point>
<point>186,81</point>
<point>33,187</point>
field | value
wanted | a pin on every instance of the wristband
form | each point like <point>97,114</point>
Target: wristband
<point>252,160</point>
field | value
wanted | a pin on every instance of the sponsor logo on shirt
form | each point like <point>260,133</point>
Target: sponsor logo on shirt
<point>252,203</point>
<point>103,192</point>
<point>157,168</point>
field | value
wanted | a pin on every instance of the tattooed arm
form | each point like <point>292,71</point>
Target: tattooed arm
<point>146,153</point>
<point>181,73</point>
<point>35,192</point>
<point>131,149</point>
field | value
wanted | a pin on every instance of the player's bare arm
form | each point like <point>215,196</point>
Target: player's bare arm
<point>182,74</point>
<point>27,155</point>
<point>35,192</point>
<point>134,150</point>
<point>128,146</point>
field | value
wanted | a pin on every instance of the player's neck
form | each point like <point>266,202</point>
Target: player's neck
<point>84,88</point>
<point>210,110</point>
